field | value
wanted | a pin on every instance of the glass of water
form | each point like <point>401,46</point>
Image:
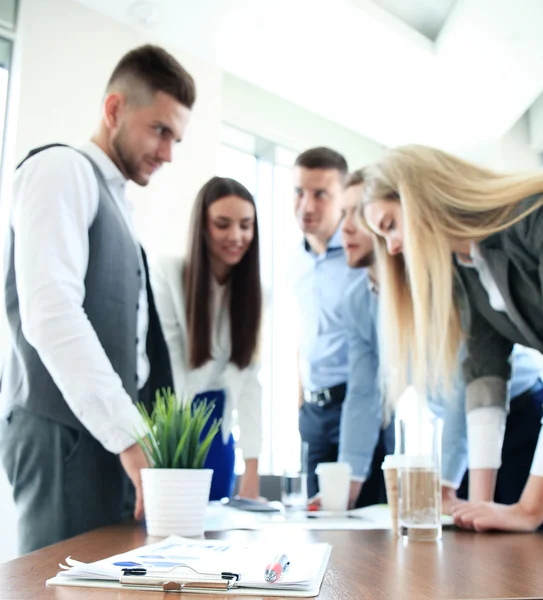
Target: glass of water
<point>418,442</point>
<point>294,483</point>
<point>294,490</point>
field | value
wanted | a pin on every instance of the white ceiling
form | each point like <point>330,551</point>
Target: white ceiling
<point>353,62</point>
<point>425,16</point>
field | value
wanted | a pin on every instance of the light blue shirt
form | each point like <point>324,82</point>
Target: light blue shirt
<point>319,283</point>
<point>527,369</point>
<point>362,411</point>
<point>362,414</point>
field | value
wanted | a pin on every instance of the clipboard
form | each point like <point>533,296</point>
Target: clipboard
<point>180,579</point>
<point>200,576</point>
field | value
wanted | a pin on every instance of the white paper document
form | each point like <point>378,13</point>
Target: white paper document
<point>223,518</point>
<point>190,560</point>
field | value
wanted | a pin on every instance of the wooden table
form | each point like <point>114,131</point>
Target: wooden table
<point>371,565</point>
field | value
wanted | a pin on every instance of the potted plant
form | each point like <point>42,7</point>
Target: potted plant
<point>176,486</point>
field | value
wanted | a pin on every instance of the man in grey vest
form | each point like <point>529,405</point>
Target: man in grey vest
<point>86,343</point>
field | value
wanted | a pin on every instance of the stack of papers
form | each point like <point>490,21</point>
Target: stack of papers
<point>187,559</point>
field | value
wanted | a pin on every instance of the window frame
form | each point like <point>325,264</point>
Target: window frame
<point>269,156</point>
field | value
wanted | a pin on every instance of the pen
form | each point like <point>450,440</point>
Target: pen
<point>275,569</point>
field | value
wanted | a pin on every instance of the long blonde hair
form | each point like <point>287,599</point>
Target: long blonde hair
<point>443,199</point>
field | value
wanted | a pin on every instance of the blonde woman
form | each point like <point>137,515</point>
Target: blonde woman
<point>460,254</point>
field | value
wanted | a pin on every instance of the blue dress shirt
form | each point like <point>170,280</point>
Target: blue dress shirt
<point>319,283</point>
<point>362,411</point>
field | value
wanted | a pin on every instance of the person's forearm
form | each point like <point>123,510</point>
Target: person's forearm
<point>482,483</point>
<point>532,497</point>
<point>251,467</point>
<point>486,429</point>
<point>362,411</point>
<point>354,491</point>
<point>250,484</point>
<point>454,445</point>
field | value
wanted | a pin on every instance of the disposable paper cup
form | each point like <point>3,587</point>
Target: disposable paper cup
<point>175,500</point>
<point>334,485</point>
<point>390,468</point>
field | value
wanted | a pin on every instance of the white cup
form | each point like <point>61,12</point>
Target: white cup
<point>334,485</point>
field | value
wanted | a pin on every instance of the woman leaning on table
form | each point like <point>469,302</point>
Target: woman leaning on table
<point>210,308</point>
<point>472,267</point>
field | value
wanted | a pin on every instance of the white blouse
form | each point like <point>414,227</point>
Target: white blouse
<point>486,278</point>
<point>243,392</point>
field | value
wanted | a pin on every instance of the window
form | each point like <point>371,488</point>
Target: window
<point>266,170</point>
<point>8,14</point>
<point>5,61</point>
<point>8,524</point>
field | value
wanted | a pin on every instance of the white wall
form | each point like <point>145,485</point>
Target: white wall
<point>535,123</point>
<point>512,152</point>
<point>518,154</point>
<point>68,53</point>
<point>259,112</point>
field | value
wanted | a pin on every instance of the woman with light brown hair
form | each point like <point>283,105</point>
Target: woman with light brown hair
<point>460,256</point>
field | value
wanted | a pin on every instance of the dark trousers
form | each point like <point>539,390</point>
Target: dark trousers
<point>319,428</point>
<point>374,491</point>
<point>64,481</point>
<point>521,434</point>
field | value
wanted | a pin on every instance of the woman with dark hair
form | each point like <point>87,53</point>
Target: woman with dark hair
<point>210,307</point>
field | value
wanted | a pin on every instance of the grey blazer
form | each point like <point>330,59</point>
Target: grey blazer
<point>515,259</point>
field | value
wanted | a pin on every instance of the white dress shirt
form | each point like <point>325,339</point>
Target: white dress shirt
<point>243,392</point>
<point>117,186</point>
<point>55,200</point>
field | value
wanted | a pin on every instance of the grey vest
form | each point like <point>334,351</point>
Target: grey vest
<point>112,284</point>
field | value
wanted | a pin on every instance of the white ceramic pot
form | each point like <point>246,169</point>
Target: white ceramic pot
<point>175,500</point>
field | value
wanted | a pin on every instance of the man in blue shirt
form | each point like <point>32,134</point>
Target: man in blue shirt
<point>320,277</point>
<point>363,441</point>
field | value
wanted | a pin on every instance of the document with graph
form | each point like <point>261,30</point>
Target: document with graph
<point>205,566</point>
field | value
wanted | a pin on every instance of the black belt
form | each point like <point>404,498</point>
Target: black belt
<point>325,396</point>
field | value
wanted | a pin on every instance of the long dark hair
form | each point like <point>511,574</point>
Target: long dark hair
<point>245,286</point>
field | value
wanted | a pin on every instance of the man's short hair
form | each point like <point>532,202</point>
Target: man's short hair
<point>149,69</point>
<point>355,178</point>
<point>323,158</point>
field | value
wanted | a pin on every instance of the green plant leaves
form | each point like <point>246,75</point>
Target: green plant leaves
<point>174,432</point>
